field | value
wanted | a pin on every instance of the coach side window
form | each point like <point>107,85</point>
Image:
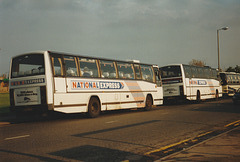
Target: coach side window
<point>71,66</point>
<point>234,78</point>
<point>188,72</point>
<point>214,74</point>
<point>57,66</point>
<point>207,73</point>
<point>125,70</point>
<point>147,73</point>
<point>137,71</point>
<point>229,80</point>
<point>158,76</point>
<point>194,72</point>
<point>200,72</point>
<point>88,67</point>
<point>108,69</point>
<point>211,74</point>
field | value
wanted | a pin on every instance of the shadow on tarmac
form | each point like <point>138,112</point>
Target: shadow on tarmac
<point>52,116</point>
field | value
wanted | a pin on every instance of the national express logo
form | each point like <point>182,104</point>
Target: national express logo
<point>77,85</point>
<point>25,82</point>
<point>198,82</point>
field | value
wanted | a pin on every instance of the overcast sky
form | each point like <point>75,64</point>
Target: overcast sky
<point>153,31</point>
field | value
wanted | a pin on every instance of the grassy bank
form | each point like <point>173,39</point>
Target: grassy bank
<point>4,103</point>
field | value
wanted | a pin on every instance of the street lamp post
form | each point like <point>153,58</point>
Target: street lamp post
<point>224,28</point>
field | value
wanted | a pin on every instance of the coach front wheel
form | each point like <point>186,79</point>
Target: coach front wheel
<point>198,99</point>
<point>149,103</point>
<point>94,107</point>
<point>216,95</point>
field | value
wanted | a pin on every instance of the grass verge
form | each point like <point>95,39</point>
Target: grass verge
<point>4,103</point>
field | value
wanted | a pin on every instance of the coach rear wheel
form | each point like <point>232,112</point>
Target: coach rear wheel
<point>94,108</point>
<point>149,103</point>
<point>198,99</point>
<point>217,95</point>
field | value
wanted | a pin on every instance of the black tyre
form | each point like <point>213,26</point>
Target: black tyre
<point>216,95</point>
<point>149,103</point>
<point>94,107</point>
<point>198,99</point>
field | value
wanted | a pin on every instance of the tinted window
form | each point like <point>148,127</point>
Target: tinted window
<point>125,70</point>
<point>147,72</point>
<point>171,71</point>
<point>137,71</point>
<point>28,65</point>
<point>236,79</point>
<point>207,73</point>
<point>88,67</point>
<point>70,66</point>
<point>188,71</point>
<point>108,69</point>
<point>214,74</point>
<point>200,72</point>
<point>158,76</point>
<point>194,72</point>
<point>57,66</point>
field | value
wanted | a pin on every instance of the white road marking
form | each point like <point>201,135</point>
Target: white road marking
<point>109,122</point>
<point>23,136</point>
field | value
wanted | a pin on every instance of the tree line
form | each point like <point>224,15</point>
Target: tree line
<point>202,64</point>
